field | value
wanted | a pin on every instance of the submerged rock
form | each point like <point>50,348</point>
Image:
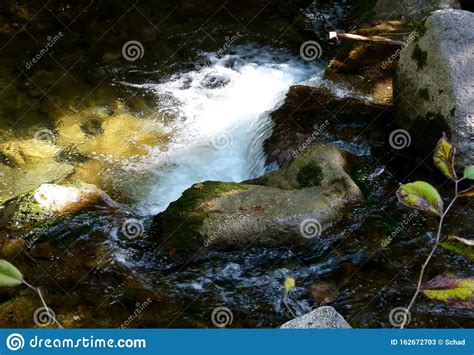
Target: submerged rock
<point>22,153</point>
<point>434,84</point>
<point>313,115</point>
<point>290,206</point>
<point>321,318</point>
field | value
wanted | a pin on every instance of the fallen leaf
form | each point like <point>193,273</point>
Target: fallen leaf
<point>454,291</point>
<point>289,284</point>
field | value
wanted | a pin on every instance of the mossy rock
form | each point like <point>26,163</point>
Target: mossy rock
<point>265,211</point>
<point>183,218</point>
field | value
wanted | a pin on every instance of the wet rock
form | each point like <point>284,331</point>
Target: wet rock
<point>291,206</point>
<point>324,292</point>
<point>68,199</point>
<point>411,9</point>
<point>117,136</point>
<point>313,115</point>
<point>50,202</point>
<point>25,152</point>
<point>321,318</point>
<point>18,181</point>
<point>434,84</point>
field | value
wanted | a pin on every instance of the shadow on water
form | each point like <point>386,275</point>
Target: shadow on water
<point>92,275</point>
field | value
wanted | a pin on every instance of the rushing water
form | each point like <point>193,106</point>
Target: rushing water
<point>221,122</point>
<point>93,276</point>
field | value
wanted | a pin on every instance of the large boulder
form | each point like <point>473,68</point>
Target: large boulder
<point>435,84</point>
<point>411,9</point>
<point>321,318</point>
<point>291,206</point>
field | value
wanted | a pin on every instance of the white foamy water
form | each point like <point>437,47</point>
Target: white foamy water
<point>222,122</point>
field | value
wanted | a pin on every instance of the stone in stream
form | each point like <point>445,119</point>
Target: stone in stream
<point>49,202</point>
<point>435,84</point>
<point>325,317</point>
<point>292,206</point>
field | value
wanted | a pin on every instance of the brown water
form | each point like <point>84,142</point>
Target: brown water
<point>93,276</point>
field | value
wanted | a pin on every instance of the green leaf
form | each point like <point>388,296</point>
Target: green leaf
<point>444,157</point>
<point>454,291</point>
<point>9,275</point>
<point>459,246</point>
<point>422,196</point>
<point>469,172</point>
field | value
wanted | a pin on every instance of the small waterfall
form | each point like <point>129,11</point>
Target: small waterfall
<point>221,121</point>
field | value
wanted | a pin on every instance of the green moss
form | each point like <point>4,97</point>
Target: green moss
<point>420,56</point>
<point>421,28</point>
<point>27,210</point>
<point>262,180</point>
<point>424,94</point>
<point>310,175</point>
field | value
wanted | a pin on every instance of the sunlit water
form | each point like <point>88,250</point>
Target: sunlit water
<point>222,121</point>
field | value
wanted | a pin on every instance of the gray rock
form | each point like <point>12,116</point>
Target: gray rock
<point>18,180</point>
<point>411,9</point>
<point>294,205</point>
<point>435,84</point>
<point>322,318</point>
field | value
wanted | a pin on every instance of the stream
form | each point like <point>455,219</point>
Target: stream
<point>212,111</point>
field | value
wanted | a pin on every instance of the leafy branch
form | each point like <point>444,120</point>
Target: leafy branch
<point>10,276</point>
<point>425,197</point>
